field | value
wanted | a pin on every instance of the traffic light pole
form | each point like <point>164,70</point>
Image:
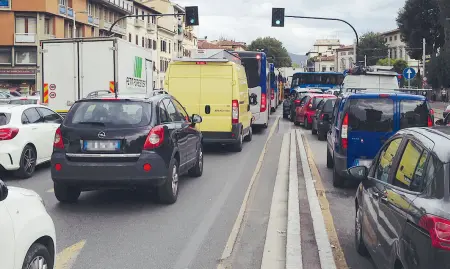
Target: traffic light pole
<point>138,16</point>
<point>332,19</point>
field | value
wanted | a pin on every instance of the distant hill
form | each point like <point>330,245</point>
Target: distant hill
<point>298,59</point>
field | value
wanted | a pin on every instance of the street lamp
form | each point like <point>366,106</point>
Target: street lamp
<point>74,21</point>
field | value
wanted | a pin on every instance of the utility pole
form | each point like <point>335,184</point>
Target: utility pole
<point>389,57</point>
<point>74,29</point>
<point>424,56</point>
<point>365,60</point>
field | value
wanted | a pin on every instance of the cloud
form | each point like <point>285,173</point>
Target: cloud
<point>245,20</point>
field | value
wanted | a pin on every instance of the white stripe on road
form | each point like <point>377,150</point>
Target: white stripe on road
<point>293,238</point>
<point>274,254</point>
<point>323,243</point>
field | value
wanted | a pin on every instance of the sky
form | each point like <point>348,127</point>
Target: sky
<point>246,20</point>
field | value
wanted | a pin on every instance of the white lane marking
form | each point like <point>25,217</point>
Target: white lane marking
<point>274,254</point>
<point>323,243</point>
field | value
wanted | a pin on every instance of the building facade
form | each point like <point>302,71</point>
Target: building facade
<point>230,45</point>
<point>397,48</point>
<point>324,47</point>
<point>25,23</point>
<point>344,58</point>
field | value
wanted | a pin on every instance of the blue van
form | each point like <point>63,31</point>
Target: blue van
<point>361,123</point>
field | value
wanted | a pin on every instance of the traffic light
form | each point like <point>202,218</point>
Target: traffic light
<point>191,16</point>
<point>277,17</point>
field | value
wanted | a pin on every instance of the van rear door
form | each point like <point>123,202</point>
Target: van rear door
<point>370,124</point>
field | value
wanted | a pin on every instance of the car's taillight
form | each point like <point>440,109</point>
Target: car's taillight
<point>263,103</point>
<point>430,121</point>
<point>155,138</point>
<point>58,142</point>
<point>235,112</point>
<point>439,230</point>
<point>8,133</point>
<point>297,102</point>
<point>431,111</point>
<point>321,116</point>
<point>344,132</point>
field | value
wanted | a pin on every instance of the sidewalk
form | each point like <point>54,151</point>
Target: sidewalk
<point>297,234</point>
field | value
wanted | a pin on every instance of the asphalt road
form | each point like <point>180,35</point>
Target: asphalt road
<point>125,229</point>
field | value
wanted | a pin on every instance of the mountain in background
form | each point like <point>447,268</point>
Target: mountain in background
<point>298,59</point>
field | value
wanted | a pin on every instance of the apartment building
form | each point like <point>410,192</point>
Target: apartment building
<point>25,22</point>
<point>142,31</point>
<point>344,58</point>
<point>324,47</point>
<point>230,44</point>
<point>397,48</point>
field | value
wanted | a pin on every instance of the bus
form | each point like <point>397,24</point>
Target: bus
<point>321,80</point>
<point>258,79</point>
<point>273,88</point>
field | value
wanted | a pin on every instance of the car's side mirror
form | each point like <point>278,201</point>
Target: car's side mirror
<point>358,172</point>
<point>196,118</point>
<point>3,191</point>
<point>440,122</point>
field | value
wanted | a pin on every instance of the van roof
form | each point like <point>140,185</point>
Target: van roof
<point>375,94</point>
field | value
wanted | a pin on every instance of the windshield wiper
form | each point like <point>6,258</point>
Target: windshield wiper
<point>91,122</point>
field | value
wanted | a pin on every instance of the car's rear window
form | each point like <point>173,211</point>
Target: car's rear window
<point>316,101</point>
<point>413,113</point>
<point>329,104</point>
<point>371,115</point>
<point>110,113</point>
<point>4,118</point>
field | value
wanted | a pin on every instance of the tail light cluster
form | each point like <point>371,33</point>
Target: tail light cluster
<point>439,230</point>
<point>344,132</point>
<point>58,142</point>
<point>235,111</point>
<point>321,116</point>
<point>430,118</point>
<point>297,102</point>
<point>272,94</point>
<point>263,103</point>
<point>155,138</point>
<point>8,133</point>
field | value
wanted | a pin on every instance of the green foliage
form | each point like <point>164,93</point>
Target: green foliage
<point>373,46</point>
<point>295,65</point>
<point>438,73</point>
<point>400,65</point>
<point>420,19</point>
<point>273,48</point>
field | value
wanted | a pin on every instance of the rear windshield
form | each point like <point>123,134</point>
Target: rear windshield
<point>110,114</point>
<point>329,104</point>
<point>413,113</point>
<point>316,101</point>
<point>4,118</point>
<point>371,115</point>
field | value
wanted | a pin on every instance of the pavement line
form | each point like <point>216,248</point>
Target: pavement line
<point>294,259</point>
<point>274,254</point>
<point>339,256</point>
<point>66,258</point>
<point>323,243</point>
<point>237,224</point>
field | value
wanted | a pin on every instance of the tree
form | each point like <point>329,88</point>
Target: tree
<point>420,19</point>
<point>373,46</point>
<point>273,48</point>
<point>295,65</point>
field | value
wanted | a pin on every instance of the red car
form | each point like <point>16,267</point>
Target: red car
<point>305,112</point>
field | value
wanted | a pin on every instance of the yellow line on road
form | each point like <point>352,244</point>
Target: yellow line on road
<point>66,258</point>
<point>51,190</point>
<point>338,253</point>
<point>238,223</point>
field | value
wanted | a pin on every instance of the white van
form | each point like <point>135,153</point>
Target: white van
<point>379,80</point>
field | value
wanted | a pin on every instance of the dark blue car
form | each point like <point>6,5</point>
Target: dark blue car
<point>362,122</point>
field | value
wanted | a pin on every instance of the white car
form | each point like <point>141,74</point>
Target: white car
<point>26,137</point>
<point>27,232</point>
<point>27,100</point>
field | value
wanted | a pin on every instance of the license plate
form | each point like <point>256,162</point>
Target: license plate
<point>366,163</point>
<point>103,145</point>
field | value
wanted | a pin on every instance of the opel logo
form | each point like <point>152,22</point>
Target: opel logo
<point>101,135</point>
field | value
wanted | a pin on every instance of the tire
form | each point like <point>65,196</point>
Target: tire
<point>37,253</point>
<point>249,137</point>
<point>197,170</point>
<point>330,163</point>
<point>27,162</point>
<point>338,180</point>
<point>359,242</point>
<point>313,131</point>
<point>237,146</point>
<point>66,194</point>
<point>168,192</point>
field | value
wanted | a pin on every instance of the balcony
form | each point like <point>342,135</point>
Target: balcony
<point>119,30</point>
<point>70,12</point>
<point>139,23</point>
<point>151,27</point>
<point>25,38</point>
<point>118,5</point>
<point>96,21</point>
<point>62,10</point>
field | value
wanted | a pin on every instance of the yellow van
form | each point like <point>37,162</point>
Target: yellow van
<point>217,90</point>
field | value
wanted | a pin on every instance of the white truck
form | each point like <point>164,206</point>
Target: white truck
<point>73,68</point>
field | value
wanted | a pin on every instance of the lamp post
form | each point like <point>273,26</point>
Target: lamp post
<point>74,32</point>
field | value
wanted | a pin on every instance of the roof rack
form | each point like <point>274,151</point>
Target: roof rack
<point>371,90</point>
<point>96,94</point>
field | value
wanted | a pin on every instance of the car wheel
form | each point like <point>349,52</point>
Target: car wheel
<point>359,242</point>
<point>338,180</point>
<point>197,170</point>
<point>66,194</point>
<point>37,257</point>
<point>306,123</point>
<point>313,131</point>
<point>168,192</point>
<point>330,163</point>
<point>237,146</point>
<point>27,162</point>
<point>249,137</point>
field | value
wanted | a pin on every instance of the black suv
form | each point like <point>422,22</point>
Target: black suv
<point>126,142</point>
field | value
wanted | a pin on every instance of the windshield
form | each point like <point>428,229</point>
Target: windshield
<point>413,113</point>
<point>253,71</point>
<point>329,79</point>
<point>110,114</point>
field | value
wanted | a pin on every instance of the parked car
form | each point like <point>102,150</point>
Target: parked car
<point>27,231</point>
<point>307,108</point>
<point>322,117</point>
<point>293,101</point>
<point>446,111</point>
<point>26,137</point>
<point>402,205</point>
<point>126,142</point>
<point>24,100</point>
<point>362,122</point>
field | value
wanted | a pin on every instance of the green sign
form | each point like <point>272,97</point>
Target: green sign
<point>137,67</point>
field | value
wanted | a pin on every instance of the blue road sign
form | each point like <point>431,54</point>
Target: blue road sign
<point>345,72</point>
<point>409,73</point>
